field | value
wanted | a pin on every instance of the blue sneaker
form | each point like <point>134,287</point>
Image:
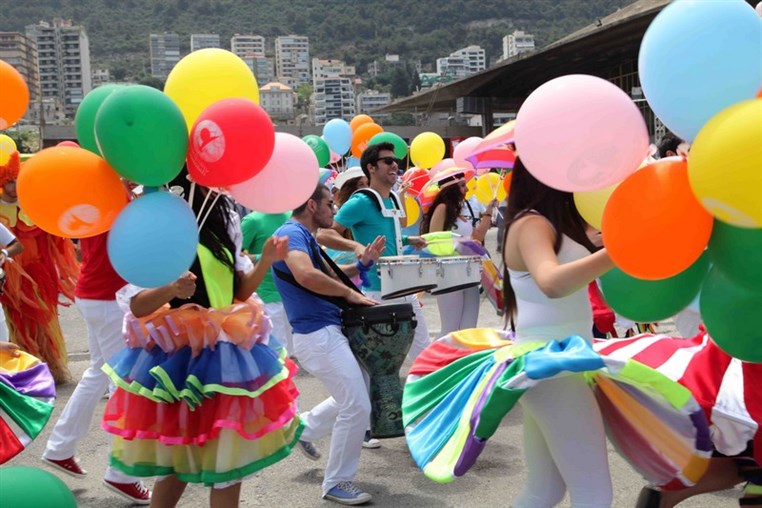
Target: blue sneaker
<point>346,493</point>
<point>309,450</point>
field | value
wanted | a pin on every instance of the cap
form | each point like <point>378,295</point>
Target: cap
<point>344,177</point>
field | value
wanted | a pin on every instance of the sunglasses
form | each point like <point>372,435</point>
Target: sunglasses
<point>388,160</point>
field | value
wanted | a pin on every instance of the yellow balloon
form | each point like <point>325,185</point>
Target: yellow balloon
<point>470,188</point>
<point>725,165</point>
<point>591,204</point>
<point>206,76</point>
<point>412,210</point>
<point>489,187</point>
<point>7,147</point>
<point>427,149</point>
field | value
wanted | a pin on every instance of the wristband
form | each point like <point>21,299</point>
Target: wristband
<point>405,240</point>
<point>364,268</point>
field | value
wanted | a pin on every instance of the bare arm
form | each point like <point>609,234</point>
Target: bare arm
<point>273,250</point>
<point>150,300</point>
<point>332,239</point>
<point>438,218</point>
<point>300,265</point>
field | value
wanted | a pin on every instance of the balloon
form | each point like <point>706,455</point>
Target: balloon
<point>646,301</point>
<point>14,100</point>
<point>400,146</point>
<point>352,162</point>
<point>724,165</point>
<point>230,142</point>
<point>464,149</point>
<point>655,203</point>
<point>320,147</point>
<point>418,178</point>
<point>591,204</point>
<point>580,133</point>
<point>412,210</point>
<point>154,240</point>
<point>207,76</point>
<point>362,136</point>
<point>488,188</point>
<point>34,488</point>
<point>427,149</point>
<point>507,184</point>
<point>338,135</point>
<point>324,174</point>
<point>731,316</point>
<point>72,144</point>
<point>685,92</point>
<point>471,188</point>
<point>70,192</point>
<point>84,121</point>
<point>737,253</point>
<point>142,135</point>
<point>334,157</point>
<point>359,120</point>
<point>7,147</point>
<point>286,182</point>
<point>441,165</point>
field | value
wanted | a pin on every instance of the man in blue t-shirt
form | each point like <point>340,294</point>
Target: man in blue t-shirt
<point>362,216</point>
<point>321,347</point>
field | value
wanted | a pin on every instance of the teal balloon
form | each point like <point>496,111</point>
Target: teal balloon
<point>30,487</point>
<point>646,301</point>
<point>320,147</point>
<point>738,253</point>
<point>731,316</point>
<point>400,147</point>
<point>84,121</point>
<point>142,134</point>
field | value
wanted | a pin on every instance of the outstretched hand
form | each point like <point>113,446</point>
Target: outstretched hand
<point>184,286</point>
<point>373,251</point>
<point>417,242</point>
<point>356,298</point>
<point>274,249</point>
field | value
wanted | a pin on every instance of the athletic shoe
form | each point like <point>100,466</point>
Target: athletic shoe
<point>369,442</point>
<point>136,492</point>
<point>346,493</point>
<point>68,466</point>
<point>309,450</point>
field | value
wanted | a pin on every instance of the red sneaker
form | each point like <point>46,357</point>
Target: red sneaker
<point>136,492</point>
<point>68,466</point>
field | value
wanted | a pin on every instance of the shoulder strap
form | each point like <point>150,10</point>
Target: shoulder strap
<point>474,220</point>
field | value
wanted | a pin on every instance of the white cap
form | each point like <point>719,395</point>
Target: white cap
<point>353,172</point>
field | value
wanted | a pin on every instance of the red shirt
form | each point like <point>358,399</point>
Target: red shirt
<point>97,278</point>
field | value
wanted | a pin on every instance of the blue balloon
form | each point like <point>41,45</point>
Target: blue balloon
<point>353,162</point>
<point>153,240</point>
<point>338,134</point>
<point>325,174</point>
<point>699,57</point>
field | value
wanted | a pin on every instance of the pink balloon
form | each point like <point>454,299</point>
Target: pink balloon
<point>288,179</point>
<point>334,157</point>
<point>464,149</point>
<point>68,143</point>
<point>441,165</point>
<point>580,133</point>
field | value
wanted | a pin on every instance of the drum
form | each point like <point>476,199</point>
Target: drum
<point>380,337</point>
<point>406,275</point>
<point>456,273</point>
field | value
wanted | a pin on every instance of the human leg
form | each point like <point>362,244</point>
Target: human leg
<point>167,492</point>
<point>471,302</point>
<point>226,497</point>
<point>421,337</point>
<point>450,307</point>
<point>281,326</point>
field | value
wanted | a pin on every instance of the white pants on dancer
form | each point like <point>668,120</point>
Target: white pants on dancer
<point>281,326</point>
<point>104,336</point>
<point>421,338</point>
<point>565,446</point>
<point>344,415</point>
<point>458,310</point>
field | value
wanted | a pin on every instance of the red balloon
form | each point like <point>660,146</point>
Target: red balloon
<point>231,141</point>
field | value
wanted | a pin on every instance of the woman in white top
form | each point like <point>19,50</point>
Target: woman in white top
<point>549,262</point>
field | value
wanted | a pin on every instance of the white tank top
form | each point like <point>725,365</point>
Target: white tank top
<point>464,228</point>
<point>541,318</point>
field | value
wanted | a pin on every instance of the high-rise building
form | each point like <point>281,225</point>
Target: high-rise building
<point>278,100</point>
<point>292,58</point>
<point>261,66</point>
<point>203,41</point>
<point>516,43</point>
<point>462,63</point>
<point>100,77</point>
<point>330,68</point>
<point>21,52</point>
<point>243,45</point>
<point>334,98</point>
<point>63,55</point>
<point>165,53</point>
<point>371,100</point>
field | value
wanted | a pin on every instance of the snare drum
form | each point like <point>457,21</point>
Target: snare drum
<point>406,275</point>
<point>456,273</point>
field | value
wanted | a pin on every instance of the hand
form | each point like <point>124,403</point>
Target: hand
<point>185,286</point>
<point>491,206</point>
<point>356,298</point>
<point>595,237</point>
<point>2,258</point>
<point>274,249</point>
<point>373,250</point>
<point>404,186</point>
<point>10,348</point>
<point>417,242</point>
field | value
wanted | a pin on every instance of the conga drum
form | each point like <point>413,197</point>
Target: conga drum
<point>380,337</point>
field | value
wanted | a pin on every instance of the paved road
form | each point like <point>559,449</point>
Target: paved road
<point>388,473</point>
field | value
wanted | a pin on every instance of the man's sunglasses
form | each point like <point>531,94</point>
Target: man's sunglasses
<point>388,160</point>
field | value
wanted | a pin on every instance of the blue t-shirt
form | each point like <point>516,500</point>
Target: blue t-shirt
<point>361,215</point>
<point>306,312</point>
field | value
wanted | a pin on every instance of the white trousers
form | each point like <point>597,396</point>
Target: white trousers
<point>4,335</point>
<point>344,415</point>
<point>458,310</point>
<point>104,336</point>
<point>421,338</point>
<point>565,446</point>
<point>281,326</point>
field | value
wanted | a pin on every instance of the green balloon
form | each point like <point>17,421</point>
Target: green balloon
<point>142,135</point>
<point>33,488</point>
<point>400,147</point>
<point>320,147</point>
<point>84,121</point>
<point>731,315</point>
<point>646,301</point>
<point>738,253</point>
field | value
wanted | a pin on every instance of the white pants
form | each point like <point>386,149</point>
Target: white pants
<point>281,326</point>
<point>458,310</point>
<point>344,415</point>
<point>104,336</point>
<point>421,338</point>
<point>4,335</point>
<point>565,446</point>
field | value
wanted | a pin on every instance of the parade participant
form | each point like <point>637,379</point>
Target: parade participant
<point>347,183</point>
<point>47,267</point>
<point>200,374</point>
<point>372,212</point>
<point>10,247</point>
<point>307,288</point>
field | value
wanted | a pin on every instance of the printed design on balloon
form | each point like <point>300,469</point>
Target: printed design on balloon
<point>79,220</point>
<point>210,140</point>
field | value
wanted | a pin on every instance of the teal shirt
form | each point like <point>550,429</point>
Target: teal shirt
<point>361,215</point>
<point>257,227</point>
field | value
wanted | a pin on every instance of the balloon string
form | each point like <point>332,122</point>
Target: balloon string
<point>203,205</point>
<point>191,195</point>
<point>208,212</point>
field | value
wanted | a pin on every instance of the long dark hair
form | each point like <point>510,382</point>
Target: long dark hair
<point>452,197</point>
<point>349,187</point>
<point>529,194</point>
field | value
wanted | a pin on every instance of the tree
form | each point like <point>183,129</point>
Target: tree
<point>152,81</point>
<point>118,72</point>
<point>303,94</point>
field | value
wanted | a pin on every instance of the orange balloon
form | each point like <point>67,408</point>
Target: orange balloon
<point>653,226</point>
<point>14,100</point>
<point>362,135</point>
<point>507,182</point>
<point>359,120</point>
<point>70,192</point>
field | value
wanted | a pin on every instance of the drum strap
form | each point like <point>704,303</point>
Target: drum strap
<point>395,213</point>
<point>474,220</point>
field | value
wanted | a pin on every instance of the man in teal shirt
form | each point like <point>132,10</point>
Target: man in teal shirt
<point>257,227</point>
